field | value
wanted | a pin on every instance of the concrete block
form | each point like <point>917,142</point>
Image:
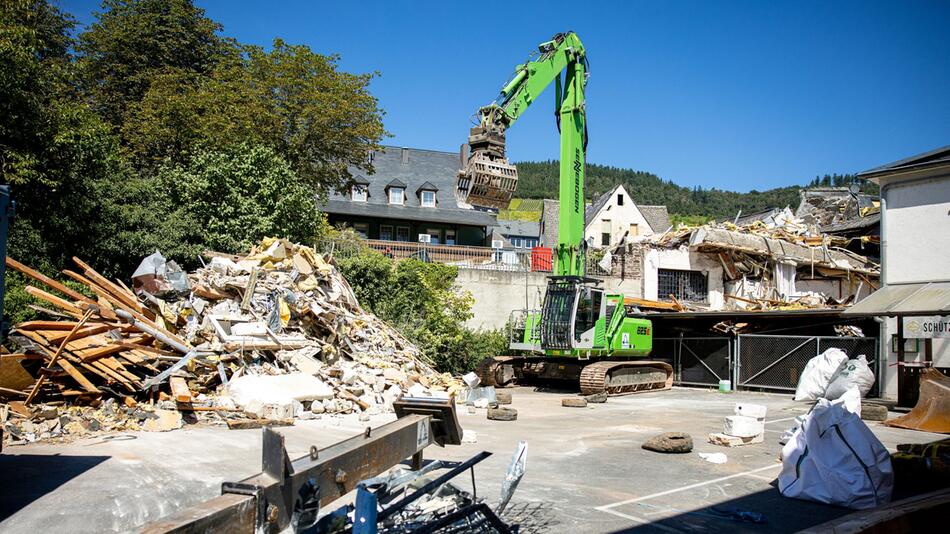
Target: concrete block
<point>742,426</point>
<point>734,441</point>
<point>873,412</point>
<point>574,402</point>
<point>756,411</point>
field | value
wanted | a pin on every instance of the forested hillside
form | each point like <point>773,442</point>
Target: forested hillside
<point>540,179</point>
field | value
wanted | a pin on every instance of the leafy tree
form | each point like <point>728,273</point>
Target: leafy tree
<point>321,119</point>
<point>229,199</point>
<point>134,39</point>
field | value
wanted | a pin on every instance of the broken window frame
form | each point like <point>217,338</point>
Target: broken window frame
<point>685,285</point>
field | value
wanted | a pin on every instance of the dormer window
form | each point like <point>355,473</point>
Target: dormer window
<point>427,194</point>
<point>397,195</point>
<point>396,192</point>
<point>359,193</point>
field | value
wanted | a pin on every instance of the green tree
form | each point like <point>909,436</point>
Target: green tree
<point>133,39</point>
<point>321,119</point>
<point>229,199</point>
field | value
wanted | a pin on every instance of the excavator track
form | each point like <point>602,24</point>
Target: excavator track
<point>625,377</point>
<point>491,371</point>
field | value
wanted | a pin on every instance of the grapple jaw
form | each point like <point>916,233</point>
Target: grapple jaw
<point>487,179</point>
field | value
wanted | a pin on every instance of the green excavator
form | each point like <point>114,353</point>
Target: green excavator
<point>581,333</point>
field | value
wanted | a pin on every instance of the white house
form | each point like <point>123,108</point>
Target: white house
<point>614,215</point>
<point>915,270</point>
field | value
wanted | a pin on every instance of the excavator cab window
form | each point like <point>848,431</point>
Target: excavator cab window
<point>588,310</point>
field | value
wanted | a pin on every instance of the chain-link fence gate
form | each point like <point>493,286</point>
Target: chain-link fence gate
<point>696,361</point>
<point>776,362</point>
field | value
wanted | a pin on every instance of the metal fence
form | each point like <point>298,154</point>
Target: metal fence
<point>696,361</point>
<point>776,362</point>
<point>461,256</point>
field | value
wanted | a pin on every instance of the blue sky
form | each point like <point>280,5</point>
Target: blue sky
<point>734,95</point>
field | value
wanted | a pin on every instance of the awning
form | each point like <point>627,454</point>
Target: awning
<point>928,298</point>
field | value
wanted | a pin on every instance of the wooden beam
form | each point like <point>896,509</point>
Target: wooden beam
<point>42,278</point>
<point>59,351</point>
<point>180,389</point>
<point>54,300</point>
<point>104,283</point>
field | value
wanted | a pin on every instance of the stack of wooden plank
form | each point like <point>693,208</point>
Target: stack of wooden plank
<point>94,352</point>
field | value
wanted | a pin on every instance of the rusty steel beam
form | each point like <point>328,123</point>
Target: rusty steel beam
<point>287,490</point>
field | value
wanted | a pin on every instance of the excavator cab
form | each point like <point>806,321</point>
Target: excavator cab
<point>572,306</point>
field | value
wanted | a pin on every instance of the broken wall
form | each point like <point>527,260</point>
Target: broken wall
<point>687,260</point>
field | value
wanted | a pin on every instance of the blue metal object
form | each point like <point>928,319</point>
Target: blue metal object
<point>364,517</point>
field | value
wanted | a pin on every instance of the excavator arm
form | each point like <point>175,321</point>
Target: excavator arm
<point>488,179</point>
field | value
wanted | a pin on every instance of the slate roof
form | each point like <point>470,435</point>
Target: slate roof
<point>597,205</point>
<point>438,169</point>
<point>657,216</point>
<point>933,158</point>
<point>853,224</point>
<point>520,228</point>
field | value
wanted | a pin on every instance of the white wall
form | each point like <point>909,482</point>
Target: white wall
<point>620,217</point>
<point>683,259</point>
<point>918,231</point>
<point>916,234</point>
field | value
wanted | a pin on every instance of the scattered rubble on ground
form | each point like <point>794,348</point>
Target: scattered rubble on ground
<point>271,336</point>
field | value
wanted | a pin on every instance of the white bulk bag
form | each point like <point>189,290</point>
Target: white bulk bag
<point>836,459</point>
<point>856,373</point>
<point>818,374</point>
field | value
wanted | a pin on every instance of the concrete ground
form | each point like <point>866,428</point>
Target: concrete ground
<point>586,471</point>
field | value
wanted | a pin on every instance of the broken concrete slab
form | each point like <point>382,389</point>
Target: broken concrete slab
<point>718,438</point>
<point>166,420</point>
<point>502,414</point>
<point>574,402</point>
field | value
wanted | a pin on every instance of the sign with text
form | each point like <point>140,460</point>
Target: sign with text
<point>934,326</point>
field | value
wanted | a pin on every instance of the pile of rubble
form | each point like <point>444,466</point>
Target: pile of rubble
<point>761,259</point>
<point>247,340</point>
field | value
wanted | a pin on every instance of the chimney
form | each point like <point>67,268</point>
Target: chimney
<point>405,155</point>
<point>463,155</point>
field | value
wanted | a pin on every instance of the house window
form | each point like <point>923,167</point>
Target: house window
<point>516,242</point>
<point>634,230</point>
<point>386,233</point>
<point>450,237</point>
<point>362,229</point>
<point>690,286</point>
<point>428,199</point>
<point>530,242</point>
<point>620,199</point>
<point>402,233</point>
<point>359,193</point>
<point>605,239</point>
<point>435,233</point>
<point>396,195</point>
